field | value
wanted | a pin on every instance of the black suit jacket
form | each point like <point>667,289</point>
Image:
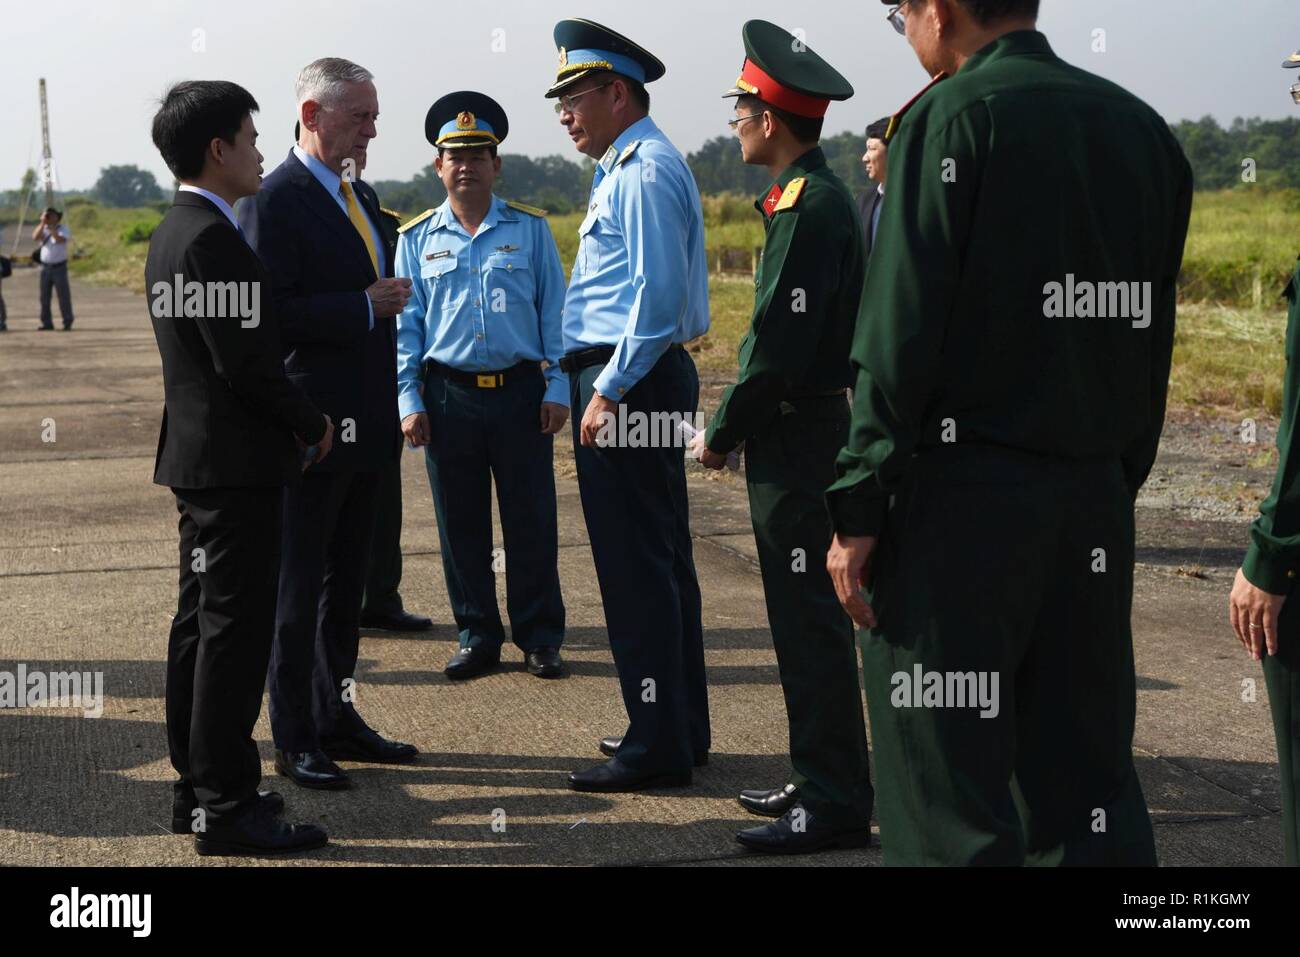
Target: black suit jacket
<point>231,413</point>
<point>867,203</point>
<point>320,269</point>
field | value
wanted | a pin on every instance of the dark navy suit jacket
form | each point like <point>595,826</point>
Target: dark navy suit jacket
<point>319,270</point>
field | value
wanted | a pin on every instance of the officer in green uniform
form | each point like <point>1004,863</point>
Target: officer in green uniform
<point>790,411</point>
<point>1012,358</point>
<point>1267,625</point>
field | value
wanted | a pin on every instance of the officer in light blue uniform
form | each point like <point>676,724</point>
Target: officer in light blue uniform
<point>483,319</point>
<point>638,293</point>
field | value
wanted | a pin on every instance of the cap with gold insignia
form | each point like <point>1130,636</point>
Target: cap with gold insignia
<point>587,47</point>
<point>783,71</point>
<point>1291,63</point>
<point>465,119</point>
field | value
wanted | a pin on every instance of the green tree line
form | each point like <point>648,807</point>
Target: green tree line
<point>1265,152</point>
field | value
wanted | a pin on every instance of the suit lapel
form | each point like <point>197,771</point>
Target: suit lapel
<point>320,202</point>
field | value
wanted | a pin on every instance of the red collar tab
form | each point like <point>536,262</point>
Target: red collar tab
<point>769,203</point>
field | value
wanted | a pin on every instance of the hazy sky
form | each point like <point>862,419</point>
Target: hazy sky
<point>106,63</point>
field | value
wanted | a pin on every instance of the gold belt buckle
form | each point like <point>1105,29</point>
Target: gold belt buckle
<point>487,382</point>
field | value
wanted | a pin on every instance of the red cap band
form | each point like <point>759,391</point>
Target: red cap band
<point>770,91</point>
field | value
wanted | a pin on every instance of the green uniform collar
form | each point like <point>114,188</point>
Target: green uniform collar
<point>1016,43</point>
<point>812,160</point>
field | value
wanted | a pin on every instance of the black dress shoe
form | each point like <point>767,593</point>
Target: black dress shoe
<point>396,621</point>
<point>544,662</point>
<point>616,776</point>
<point>611,744</point>
<point>800,831</point>
<point>311,769</point>
<point>269,802</point>
<point>256,833</point>
<point>369,746</point>
<point>771,803</point>
<point>472,662</point>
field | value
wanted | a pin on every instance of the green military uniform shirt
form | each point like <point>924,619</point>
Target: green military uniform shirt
<point>806,296</point>
<point>1274,553</point>
<point>954,342</point>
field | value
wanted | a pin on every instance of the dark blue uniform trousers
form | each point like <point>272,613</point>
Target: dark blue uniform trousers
<point>479,436</point>
<point>638,520</point>
<point>328,522</point>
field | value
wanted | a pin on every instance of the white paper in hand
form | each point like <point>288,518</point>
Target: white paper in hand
<point>695,445</point>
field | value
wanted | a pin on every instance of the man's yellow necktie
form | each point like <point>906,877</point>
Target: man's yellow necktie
<point>360,222</point>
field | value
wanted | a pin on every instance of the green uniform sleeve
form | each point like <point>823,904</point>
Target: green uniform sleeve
<point>1274,553</point>
<point>801,262</point>
<point>908,297</point>
<point>1139,457</point>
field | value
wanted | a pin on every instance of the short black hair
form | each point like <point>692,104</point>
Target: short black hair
<point>991,11</point>
<point>191,115</point>
<point>50,210</point>
<point>490,147</point>
<point>806,129</point>
<point>877,130</point>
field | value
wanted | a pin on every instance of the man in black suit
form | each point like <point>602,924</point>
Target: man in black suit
<point>875,160</point>
<point>315,225</point>
<point>227,449</point>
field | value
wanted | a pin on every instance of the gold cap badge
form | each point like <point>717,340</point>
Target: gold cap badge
<point>465,121</point>
<point>564,57</point>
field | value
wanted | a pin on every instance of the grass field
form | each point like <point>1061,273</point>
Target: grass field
<point>1228,357</point>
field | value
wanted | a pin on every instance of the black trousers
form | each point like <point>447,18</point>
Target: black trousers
<point>481,437</point>
<point>638,519</point>
<point>384,573</point>
<point>328,523</point>
<point>220,641</point>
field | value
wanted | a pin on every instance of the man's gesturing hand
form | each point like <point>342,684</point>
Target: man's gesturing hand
<point>849,565</point>
<point>416,429</point>
<point>388,296</point>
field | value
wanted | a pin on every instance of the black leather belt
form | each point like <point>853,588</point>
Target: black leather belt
<point>592,356</point>
<point>485,380</point>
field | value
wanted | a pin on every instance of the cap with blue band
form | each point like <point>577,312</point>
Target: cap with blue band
<point>465,119</point>
<point>586,47</point>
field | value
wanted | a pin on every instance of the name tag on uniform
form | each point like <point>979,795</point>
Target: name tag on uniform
<point>439,255</point>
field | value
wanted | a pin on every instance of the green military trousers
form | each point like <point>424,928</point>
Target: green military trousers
<point>1282,676</point>
<point>999,679</point>
<point>789,463</point>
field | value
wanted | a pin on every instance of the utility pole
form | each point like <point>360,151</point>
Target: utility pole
<point>47,158</point>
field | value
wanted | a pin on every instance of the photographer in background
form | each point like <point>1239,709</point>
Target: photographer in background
<point>53,237</point>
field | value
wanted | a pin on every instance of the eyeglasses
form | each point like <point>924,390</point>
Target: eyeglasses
<point>569,104</point>
<point>896,19</point>
<point>735,124</point>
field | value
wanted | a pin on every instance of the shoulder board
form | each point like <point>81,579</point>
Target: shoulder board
<point>898,117</point>
<point>418,219</point>
<point>525,208</point>
<point>391,212</point>
<point>627,153</point>
<point>790,195</point>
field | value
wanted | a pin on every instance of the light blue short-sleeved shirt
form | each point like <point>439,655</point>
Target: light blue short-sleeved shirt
<point>479,303</point>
